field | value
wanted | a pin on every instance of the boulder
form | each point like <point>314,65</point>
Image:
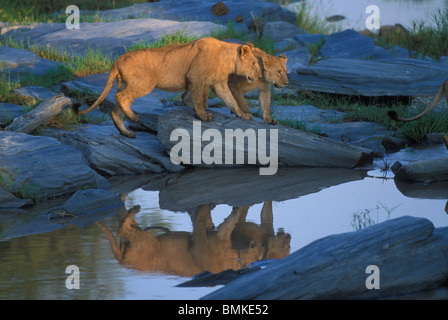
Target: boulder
<point>409,252</point>
<point>110,153</point>
<point>424,170</point>
<point>280,30</point>
<point>347,44</point>
<point>386,77</point>
<point>43,168</point>
<point>295,147</point>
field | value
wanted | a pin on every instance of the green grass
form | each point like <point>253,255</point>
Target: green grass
<point>22,190</point>
<point>179,37</point>
<point>421,39</point>
<point>31,11</point>
<point>366,109</point>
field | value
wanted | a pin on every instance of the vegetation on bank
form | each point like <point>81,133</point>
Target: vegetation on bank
<point>420,40</point>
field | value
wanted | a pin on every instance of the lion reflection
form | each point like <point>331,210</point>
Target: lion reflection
<point>232,245</point>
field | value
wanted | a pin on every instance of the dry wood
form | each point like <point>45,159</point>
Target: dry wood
<point>47,110</point>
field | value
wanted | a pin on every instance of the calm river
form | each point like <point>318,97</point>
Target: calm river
<point>259,220</point>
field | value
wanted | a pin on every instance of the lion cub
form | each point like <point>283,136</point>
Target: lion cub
<point>274,72</point>
<point>195,67</point>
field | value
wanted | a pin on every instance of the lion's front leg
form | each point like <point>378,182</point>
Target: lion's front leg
<point>445,138</point>
<point>264,97</point>
<point>199,94</point>
<point>223,92</point>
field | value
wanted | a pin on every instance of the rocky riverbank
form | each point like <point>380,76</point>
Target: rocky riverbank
<point>57,162</point>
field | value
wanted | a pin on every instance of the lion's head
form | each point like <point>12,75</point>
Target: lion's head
<point>274,70</point>
<point>247,64</point>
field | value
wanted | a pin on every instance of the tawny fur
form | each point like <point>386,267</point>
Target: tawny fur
<point>274,72</point>
<point>196,67</point>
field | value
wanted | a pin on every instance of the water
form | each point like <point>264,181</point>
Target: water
<point>309,204</point>
<point>404,12</point>
<point>314,204</point>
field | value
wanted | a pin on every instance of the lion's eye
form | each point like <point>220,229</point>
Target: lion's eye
<point>255,64</point>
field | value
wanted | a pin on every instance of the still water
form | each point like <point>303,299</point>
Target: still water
<point>172,229</point>
<point>235,223</point>
<point>404,12</point>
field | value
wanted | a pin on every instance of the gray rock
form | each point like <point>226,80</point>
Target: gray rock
<point>306,113</point>
<point>18,63</point>
<point>110,37</point>
<point>280,30</point>
<point>424,170</point>
<point>8,200</point>
<point>347,44</point>
<point>43,167</point>
<point>110,153</point>
<point>306,40</point>
<point>35,92</point>
<point>295,148</point>
<point>394,77</point>
<point>409,252</point>
<point>10,111</point>
<point>297,59</point>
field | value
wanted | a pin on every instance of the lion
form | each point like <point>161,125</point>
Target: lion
<point>195,66</point>
<point>274,72</point>
<point>443,90</point>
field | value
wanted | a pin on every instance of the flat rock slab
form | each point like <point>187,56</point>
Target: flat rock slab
<point>110,37</point>
<point>10,111</point>
<point>19,63</point>
<point>347,44</point>
<point>295,147</point>
<point>110,153</point>
<point>394,77</point>
<point>409,252</point>
<point>43,167</point>
<point>35,92</point>
<point>8,200</point>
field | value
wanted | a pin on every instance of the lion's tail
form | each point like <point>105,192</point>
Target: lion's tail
<point>110,82</point>
<point>442,90</point>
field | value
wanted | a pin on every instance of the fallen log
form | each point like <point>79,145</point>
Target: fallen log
<point>47,110</point>
<point>409,253</point>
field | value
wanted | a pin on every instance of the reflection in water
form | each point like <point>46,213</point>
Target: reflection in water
<point>232,245</point>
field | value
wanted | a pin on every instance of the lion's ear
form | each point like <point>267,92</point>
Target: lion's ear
<point>250,45</point>
<point>282,56</point>
<point>245,50</point>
